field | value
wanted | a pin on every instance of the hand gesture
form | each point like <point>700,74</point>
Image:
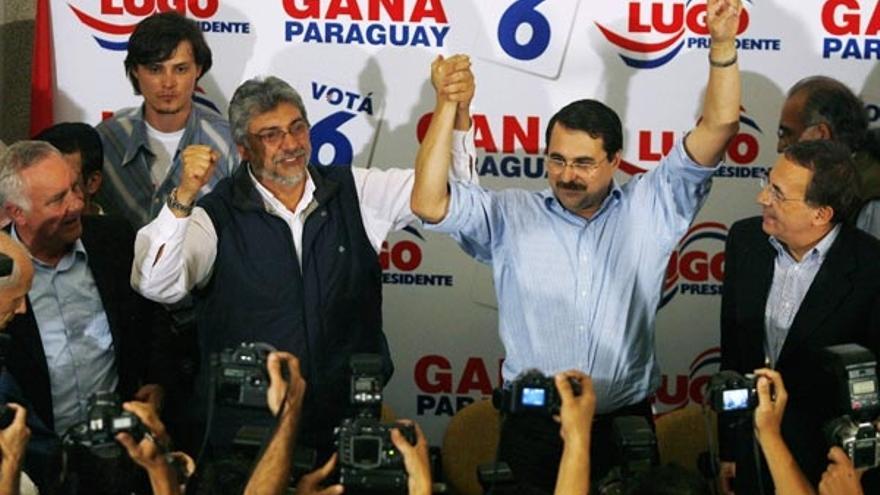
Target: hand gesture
<point>289,391</point>
<point>151,393</point>
<point>310,484</point>
<point>415,459</point>
<point>576,413</point>
<point>722,18</point>
<point>149,453</point>
<point>198,161</point>
<point>771,406</point>
<point>453,80</point>
<point>841,478</point>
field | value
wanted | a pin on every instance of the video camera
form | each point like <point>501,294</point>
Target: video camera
<point>106,419</point>
<point>241,376</point>
<point>731,392</point>
<point>368,460</point>
<point>635,453</point>
<point>852,370</point>
<point>531,392</point>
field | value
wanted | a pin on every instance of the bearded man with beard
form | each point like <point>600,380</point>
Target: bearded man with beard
<point>578,268</point>
<point>285,252</point>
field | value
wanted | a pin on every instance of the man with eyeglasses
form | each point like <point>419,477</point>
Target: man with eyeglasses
<point>819,107</point>
<point>578,268</point>
<point>285,252</point>
<point>797,279</point>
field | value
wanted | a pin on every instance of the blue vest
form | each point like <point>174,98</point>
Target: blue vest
<point>322,313</point>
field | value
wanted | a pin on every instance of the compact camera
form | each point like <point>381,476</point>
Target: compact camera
<point>241,376</point>
<point>532,392</point>
<point>852,371</point>
<point>106,419</point>
<point>368,460</point>
<point>731,392</point>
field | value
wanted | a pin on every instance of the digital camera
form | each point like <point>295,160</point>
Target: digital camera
<point>106,419</point>
<point>634,453</point>
<point>860,441</point>
<point>368,460</point>
<point>531,392</point>
<point>731,392</point>
<point>241,376</point>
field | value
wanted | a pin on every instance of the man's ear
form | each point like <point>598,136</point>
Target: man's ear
<point>243,152</point>
<point>93,182</point>
<point>14,212</point>
<point>817,132</point>
<point>823,215</point>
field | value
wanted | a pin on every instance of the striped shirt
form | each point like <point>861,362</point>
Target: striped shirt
<point>582,293</point>
<point>791,281</point>
<point>128,189</point>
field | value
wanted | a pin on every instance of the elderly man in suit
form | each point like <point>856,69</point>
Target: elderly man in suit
<point>798,278</point>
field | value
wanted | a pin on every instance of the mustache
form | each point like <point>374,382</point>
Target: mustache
<point>571,186</point>
<point>287,155</point>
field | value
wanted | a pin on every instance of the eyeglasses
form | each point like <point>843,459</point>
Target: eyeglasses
<point>559,162</point>
<point>273,136</point>
<point>775,195</point>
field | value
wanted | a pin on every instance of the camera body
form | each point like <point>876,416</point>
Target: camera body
<point>852,371</point>
<point>106,419</point>
<point>731,392</point>
<point>532,392</point>
<point>634,453</point>
<point>241,376</point>
<point>368,460</point>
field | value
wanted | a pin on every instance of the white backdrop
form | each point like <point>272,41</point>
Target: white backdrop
<point>362,67</point>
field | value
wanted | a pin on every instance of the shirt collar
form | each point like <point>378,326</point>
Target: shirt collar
<point>139,138</point>
<point>78,251</point>
<point>270,202</point>
<point>819,251</point>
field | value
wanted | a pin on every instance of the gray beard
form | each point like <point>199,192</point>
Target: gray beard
<point>283,180</point>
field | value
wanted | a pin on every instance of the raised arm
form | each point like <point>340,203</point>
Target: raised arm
<point>576,416</point>
<point>720,119</point>
<point>430,195</point>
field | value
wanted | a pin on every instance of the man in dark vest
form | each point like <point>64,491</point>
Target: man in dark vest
<point>285,252</point>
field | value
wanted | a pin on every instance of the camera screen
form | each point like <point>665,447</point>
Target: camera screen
<point>735,399</point>
<point>533,396</point>
<point>122,423</point>
<point>863,387</point>
<point>365,451</point>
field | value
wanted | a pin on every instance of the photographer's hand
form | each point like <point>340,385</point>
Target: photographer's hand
<point>153,394</point>
<point>288,391</point>
<point>841,478</point>
<point>576,416</point>
<point>787,476</point>
<point>13,441</point>
<point>310,484</point>
<point>149,453</point>
<point>415,458</point>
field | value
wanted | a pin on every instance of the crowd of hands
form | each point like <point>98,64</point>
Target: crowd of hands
<point>285,396</point>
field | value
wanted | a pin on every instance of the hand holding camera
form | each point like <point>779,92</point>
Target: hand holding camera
<point>286,384</point>
<point>415,458</point>
<point>149,451</point>
<point>772,398</point>
<point>14,436</point>
<point>578,405</point>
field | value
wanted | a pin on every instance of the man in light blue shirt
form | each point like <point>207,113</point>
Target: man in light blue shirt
<point>578,267</point>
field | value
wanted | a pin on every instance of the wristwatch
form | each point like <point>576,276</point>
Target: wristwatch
<point>176,205</point>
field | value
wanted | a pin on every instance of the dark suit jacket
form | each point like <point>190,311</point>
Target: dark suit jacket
<point>133,321</point>
<point>841,306</point>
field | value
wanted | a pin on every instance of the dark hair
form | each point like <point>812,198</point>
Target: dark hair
<point>829,101</point>
<point>592,117</point>
<point>70,137</point>
<point>835,183</point>
<point>156,37</point>
<point>670,479</point>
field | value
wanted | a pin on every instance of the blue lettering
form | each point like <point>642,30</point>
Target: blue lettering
<point>831,45</point>
<point>292,29</point>
<point>523,13</point>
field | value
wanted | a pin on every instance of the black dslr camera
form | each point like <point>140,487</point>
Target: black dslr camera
<point>531,392</point>
<point>634,453</point>
<point>852,372</point>
<point>368,461</point>
<point>241,376</point>
<point>106,418</point>
<point>731,392</point>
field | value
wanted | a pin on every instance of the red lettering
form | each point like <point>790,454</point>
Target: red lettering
<point>743,148</point>
<point>348,8</point>
<point>406,256</point>
<point>428,9</point>
<point>674,25</point>
<point>874,25</point>
<point>635,19</point>
<point>209,9</point>
<point>697,388</point>
<point>696,20</point>
<point>646,151</point>
<point>310,9</point>
<point>671,269</point>
<point>694,266</point>
<point>483,134</point>
<point>848,23</point>
<point>679,396</point>
<point>146,7</point>
<point>513,133</point>
<point>394,9</point>
<point>716,266</point>
<point>474,377</point>
<point>107,7</point>
<point>442,378</point>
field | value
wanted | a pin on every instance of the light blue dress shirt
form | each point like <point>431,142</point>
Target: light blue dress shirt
<point>75,333</point>
<point>578,293</point>
<point>791,281</point>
